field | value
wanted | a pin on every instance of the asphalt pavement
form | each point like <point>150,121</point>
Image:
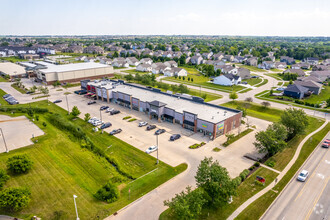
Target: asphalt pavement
<point>309,199</point>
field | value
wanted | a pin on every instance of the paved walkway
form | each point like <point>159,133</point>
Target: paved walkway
<point>279,177</point>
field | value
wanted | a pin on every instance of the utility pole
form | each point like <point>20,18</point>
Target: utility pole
<point>157,148</point>
<point>4,140</point>
<point>101,120</point>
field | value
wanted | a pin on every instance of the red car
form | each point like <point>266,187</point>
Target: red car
<point>326,143</point>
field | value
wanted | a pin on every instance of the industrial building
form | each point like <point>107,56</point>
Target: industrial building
<point>191,112</point>
<point>12,70</point>
<point>68,73</point>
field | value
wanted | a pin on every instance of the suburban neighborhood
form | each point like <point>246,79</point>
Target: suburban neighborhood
<point>148,112</point>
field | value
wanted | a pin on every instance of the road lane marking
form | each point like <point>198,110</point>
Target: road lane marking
<point>316,200</point>
<point>301,191</point>
<point>320,175</point>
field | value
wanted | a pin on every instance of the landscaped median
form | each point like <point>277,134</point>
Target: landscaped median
<point>232,139</point>
<point>256,209</point>
<point>72,159</point>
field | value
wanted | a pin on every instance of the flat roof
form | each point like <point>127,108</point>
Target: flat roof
<point>27,64</point>
<point>203,111</point>
<point>70,67</point>
<point>11,69</point>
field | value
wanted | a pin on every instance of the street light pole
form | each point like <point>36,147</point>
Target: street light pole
<point>75,205</point>
<point>67,103</point>
<point>101,120</point>
<point>4,140</point>
<point>157,148</point>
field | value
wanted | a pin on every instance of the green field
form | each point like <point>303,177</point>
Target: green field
<point>256,209</point>
<point>252,81</point>
<point>252,68</point>
<point>257,111</point>
<point>246,190</point>
<point>13,59</point>
<point>277,76</point>
<point>62,168</point>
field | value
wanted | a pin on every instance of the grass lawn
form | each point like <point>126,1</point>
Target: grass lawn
<point>263,83</point>
<point>69,85</point>
<point>191,70</point>
<point>252,81</point>
<point>256,209</point>
<point>257,111</point>
<point>62,168</point>
<point>209,96</point>
<point>2,101</point>
<point>313,99</point>
<point>237,137</point>
<point>18,89</point>
<point>244,90</point>
<point>13,59</point>
<point>135,72</point>
<point>252,68</point>
<point>282,158</point>
<point>3,79</point>
<point>247,189</point>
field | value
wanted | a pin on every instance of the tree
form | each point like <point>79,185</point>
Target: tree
<point>108,193</point>
<point>186,205</point>
<point>115,54</point>
<point>271,92</point>
<point>57,83</point>
<point>272,140</point>
<point>265,104</point>
<point>14,199</point>
<point>19,164</point>
<point>295,121</point>
<point>249,99</point>
<point>75,112</point>
<point>3,178</point>
<point>87,117</point>
<point>215,181</point>
<point>129,77</point>
<point>233,96</point>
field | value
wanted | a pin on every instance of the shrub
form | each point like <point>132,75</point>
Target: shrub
<point>37,117</point>
<point>126,117</point>
<point>3,178</point>
<point>14,199</point>
<point>252,168</point>
<point>132,119</point>
<point>19,164</point>
<point>270,163</point>
<point>256,164</point>
<point>216,149</point>
<point>44,124</point>
<point>244,174</point>
<point>108,193</point>
<point>237,181</point>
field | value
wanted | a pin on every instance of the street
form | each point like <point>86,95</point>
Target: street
<point>306,200</point>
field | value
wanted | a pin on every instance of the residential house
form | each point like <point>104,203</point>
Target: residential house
<point>287,60</point>
<point>320,67</point>
<point>144,67</point>
<point>312,60</point>
<point>227,80</point>
<point>253,61</point>
<point>168,54</point>
<point>175,71</point>
<point>322,75</point>
<point>299,72</point>
<point>310,78</point>
<point>300,66</point>
<point>120,63</point>
<point>295,91</point>
<point>81,58</point>
<point>119,59</point>
<point>267,65</point>
<point>219,63</point>
<point>280,65</point>
<point>208,62</point>
<point>94,49</point>
<point>207,56</point>
<point>312,86</point>
<point>196,60</point>
<point>229,69</point>
<point>171,63</point>
<point>90,59</point>
<point>146,61</point>
<point>132,61</point>
<point>244,73</point>
<point>228,58</point>
<point>270,58</point>
<point>218,56</point>
<point>106,61</point>
<point>239,59</point>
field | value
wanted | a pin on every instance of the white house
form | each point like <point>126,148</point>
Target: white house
<point>175,71</point>
<point>146,61</point>
<point>89,59</point>
<point>106,61</point>
<point>171,63</point>
<point>144,67</point>
<point>132,61</point>
<point>227,80</point>
<point>120,64</point>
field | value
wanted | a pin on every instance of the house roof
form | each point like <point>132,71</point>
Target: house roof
<point>232,76</point>
<point>300,72</point>
<point>296,88</point>
<point>308,83</point>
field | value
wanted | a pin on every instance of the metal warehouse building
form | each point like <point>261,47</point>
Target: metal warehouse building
<point>191,113</point>
<point>72,72</point>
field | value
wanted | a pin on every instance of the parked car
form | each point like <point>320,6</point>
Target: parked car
<point>105,125</point>
<point>109,110</point>
<point>244,82</point>
<point>116,131</point>
<point>175,137</point>
<point>97,122</point>
<point>114,112</point>
<point>6,95</point>
<point>151,149</point>
<point>326,143</point>
<point>303,175</point>
<point>143,123</point>
<point>104,108</point>
<point>160,131</point>
<point>29,92</point>
<point>91,102</point>
<point>80,92</point>
<point>280,89</point>
<point>150,127</point>
<point>57,101</point>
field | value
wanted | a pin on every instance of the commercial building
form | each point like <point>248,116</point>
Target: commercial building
<point>12,70</point>
<point>191,112</point>
<point>72,72</point>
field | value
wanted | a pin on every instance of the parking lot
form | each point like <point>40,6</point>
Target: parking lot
<point>18,132</point>
<point>171,152</point>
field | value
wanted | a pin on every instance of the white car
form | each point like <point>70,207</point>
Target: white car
<point>303,176</point>
<point>143,123</point>
<point>92,120</point>
<point>109,110</point>
<point>151,149</point>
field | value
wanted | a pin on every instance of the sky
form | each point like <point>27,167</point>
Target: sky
<point>166,17</point>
